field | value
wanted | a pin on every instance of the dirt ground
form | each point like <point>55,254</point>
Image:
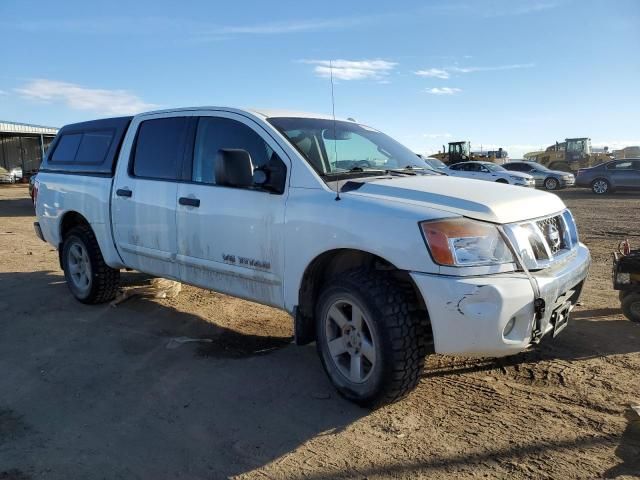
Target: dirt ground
<point>100,392</point>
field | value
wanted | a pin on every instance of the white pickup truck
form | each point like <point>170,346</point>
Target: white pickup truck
<point>379,260</point>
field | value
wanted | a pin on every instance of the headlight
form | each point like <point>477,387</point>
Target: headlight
<point>462,242</point>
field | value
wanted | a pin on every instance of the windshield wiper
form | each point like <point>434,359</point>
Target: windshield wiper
<point>356,170</point>
<point>410,170</point>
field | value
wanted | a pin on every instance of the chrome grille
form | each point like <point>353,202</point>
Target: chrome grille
<point>543,241</point>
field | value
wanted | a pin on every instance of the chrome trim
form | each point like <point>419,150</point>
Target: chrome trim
<point>520,235</point>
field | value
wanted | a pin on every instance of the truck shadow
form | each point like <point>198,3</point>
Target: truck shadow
<point>588,335</point>
<point>114,387</point>
<point>17,207</point>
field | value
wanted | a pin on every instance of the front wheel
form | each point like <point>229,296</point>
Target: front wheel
<point>371,337</point>
<point>631,306</point>
<point>501,180</point>
<point>600,186</point>
<point>89,278</point>
<point>551,183</point>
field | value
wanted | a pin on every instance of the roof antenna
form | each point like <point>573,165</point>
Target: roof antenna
<point>335,138</point>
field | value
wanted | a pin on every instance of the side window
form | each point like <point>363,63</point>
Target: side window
<point>482,168</point>
<point>457,166</point>
<point>620,166</point>
<point>85,148</point>
<point>214,134</point>
<point>94,147</point>
<point>67,148</point>
<point>159,148</point>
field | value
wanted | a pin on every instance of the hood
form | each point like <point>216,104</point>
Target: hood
<point>488,201</point>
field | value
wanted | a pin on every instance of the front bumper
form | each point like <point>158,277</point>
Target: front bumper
<point>469,314</point>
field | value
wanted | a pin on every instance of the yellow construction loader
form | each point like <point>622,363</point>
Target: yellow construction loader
<point>569,156</point>
<point>461,152</point>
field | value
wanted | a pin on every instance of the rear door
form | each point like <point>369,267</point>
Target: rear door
<point>144,195</point>
<point>623,173</point>
<point>231,239</point>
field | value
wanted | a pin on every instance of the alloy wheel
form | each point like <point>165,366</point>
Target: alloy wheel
<point>79,266</point>
<point>350,341</point>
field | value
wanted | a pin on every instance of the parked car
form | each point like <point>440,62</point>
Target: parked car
<point>32,181</point>
<point>378,266</point>
<point>611,176</point>
<point>437,165</point>
<point>10,176</point>
<point>549,179</point>
<point>491,172</point>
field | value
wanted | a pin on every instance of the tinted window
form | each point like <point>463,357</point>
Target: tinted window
<point>67,148</point>
<point>457,166</point>
<point>94,147</point>
<point>620,166</point>
<point>215,134</point>
<point>159,148</point>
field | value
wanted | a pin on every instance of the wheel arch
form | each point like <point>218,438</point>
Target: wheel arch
<point>329,264</point>
<point>68,221</point>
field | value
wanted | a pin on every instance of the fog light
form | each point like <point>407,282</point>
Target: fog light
<point>509,326</point>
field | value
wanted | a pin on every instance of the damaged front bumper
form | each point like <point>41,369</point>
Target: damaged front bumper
<point>493,315</point>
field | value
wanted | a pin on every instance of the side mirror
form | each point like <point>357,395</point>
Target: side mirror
<point>272,176</point>
<point>233,168</point>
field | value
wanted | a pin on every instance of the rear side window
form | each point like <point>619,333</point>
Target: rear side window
<point>67,148</point>
<point>94,147</point>
<point>621,166</point>
<point>83,148</point>
<point>159,148</point>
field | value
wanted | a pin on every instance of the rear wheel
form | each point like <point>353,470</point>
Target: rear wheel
<point>551,183</point>
<point>600,186</point>
<point>631,306</point>
<point>371,337</point>
<point>89,278</point>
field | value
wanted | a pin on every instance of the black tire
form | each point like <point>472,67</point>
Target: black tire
<point>103,281</point>
<point>551,183</point>
<point>601,186</point>
<point>502,180</point>
<point>631,306</point>
<point>399,331</point>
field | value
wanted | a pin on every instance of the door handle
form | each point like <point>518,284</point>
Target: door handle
<point>191,202</point>
<point>124,192</point>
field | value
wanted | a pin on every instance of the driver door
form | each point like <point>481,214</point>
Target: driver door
<point>230,239</point>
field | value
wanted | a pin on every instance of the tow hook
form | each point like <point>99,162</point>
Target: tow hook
<point>538,308</point>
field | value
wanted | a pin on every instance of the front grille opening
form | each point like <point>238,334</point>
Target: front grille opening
<point>552,229</point>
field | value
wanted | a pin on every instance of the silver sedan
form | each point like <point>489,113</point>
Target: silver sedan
<point>545,178</point>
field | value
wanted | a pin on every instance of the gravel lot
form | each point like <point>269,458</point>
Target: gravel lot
<point>100,392</point>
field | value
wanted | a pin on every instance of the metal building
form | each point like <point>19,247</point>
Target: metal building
<point>23,145</point>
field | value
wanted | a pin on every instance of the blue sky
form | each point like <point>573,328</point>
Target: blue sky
<point>517,74</point>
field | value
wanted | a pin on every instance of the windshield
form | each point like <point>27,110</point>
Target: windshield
<point>337,147</point>
<point>492,167</point>
<point>581,145</point>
